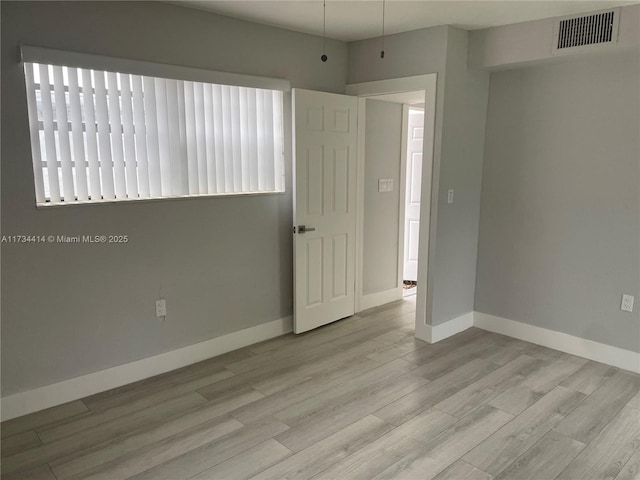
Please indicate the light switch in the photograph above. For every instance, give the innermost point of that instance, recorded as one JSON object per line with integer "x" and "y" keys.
{"x": 385, "y": 185}
{"x": 627, "y": 303}
{"x": 450, "y": 196}
{"x": 161, "y": 308}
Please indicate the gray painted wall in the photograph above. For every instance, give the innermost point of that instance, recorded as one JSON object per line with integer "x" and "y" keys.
{"x": 383, "y": 145}
{"x": 418, "y": 52}
{"x": 453, "y": 263}
{"x": 559, "y": 233}
{"x": 457, "y": 156}
{"x": 406, "y": 54}
{"x": 223, "y": 264}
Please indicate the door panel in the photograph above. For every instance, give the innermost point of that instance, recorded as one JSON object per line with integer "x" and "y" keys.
{"x": 412, "y": 197}
{"x": 325, "y": 139}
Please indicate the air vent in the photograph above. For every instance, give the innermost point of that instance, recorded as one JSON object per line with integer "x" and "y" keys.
{"x": 582, "y": 31}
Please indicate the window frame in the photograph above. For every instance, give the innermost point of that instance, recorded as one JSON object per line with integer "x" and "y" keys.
{"x": 39, "y": 55}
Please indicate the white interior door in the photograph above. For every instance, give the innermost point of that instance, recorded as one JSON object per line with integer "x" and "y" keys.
{"x": 324, "y": 197}
{"x": 412, "y": 197}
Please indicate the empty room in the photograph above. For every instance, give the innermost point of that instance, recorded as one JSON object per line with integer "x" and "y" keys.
{"x": 308, "y": 239}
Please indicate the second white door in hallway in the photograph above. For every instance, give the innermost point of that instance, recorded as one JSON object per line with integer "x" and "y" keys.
{"x": 415, "y": 134}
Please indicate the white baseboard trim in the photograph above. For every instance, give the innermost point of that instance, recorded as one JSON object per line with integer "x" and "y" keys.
{"x": 79, "y": 387}
{"x": 380, "y": 298}
{"x": 75, "y": 388}
{"x": 433, "y": 334}
{"x": 581, "y": 347}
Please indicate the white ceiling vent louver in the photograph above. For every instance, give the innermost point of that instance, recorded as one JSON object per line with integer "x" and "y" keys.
{"x": 586, "y": 31}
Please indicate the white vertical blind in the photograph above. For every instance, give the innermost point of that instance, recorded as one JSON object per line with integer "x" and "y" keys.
{"x": 95, "y": 189}
{"x": 104, "y": 137}
{"x": 34, "y": 130}
{"x": 278, "y": 146}
{"x": 153, "y": 145}
{"x": 182, "y": 124}
{"x": 49, "y": 135}
{"x": 100, "y": 135}
{"x": 218, "y": 127}
{"x": 269, "y": 144}
{"x": 244, "y": 139}
{"x": 190, "y": 128}
{"x": 278, "y": 143}
{"x": 139, "y": 122}
{"x": 115, "y": 126}
{"x": 163, "y": 137}
{"x": 62, "y": 123}
{"x": 201, "y": 137}
{"x": 211, "y": 136}
{"x": 79, "y": 163}
{"x": 174, "y": 137}
{"x": 252, "y": 134}
{"x": 261, "y": 147}
{"x": 227, "y": 136}
{"x": 236, "y": 159}
{"x": 129, "y": 136}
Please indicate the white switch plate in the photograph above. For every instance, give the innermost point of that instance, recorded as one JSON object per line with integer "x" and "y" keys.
{"x": 385, "y": 185}
{"x": 450, "y": 196}
{"x": 161, "y": 308}
{"x": 627, "y": 303}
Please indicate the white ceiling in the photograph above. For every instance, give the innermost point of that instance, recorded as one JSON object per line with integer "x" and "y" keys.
{"x": 351, "y": 20}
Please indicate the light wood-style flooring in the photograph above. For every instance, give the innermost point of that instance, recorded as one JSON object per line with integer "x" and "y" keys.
{"x": 358, "y": 399}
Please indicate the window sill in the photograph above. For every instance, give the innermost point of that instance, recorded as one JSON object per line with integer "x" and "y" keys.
{"x": 48, "y": 205}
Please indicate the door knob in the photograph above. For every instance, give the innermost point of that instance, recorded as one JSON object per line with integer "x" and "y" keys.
{"x": 305, "y": 229}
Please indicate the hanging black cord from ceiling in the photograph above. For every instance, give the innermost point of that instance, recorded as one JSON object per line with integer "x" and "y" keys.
{"x": 383, "y": 9}
{"x": 324, "y": 31}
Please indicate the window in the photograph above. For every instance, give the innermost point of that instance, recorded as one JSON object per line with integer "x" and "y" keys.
{"x": 99, "y": 135}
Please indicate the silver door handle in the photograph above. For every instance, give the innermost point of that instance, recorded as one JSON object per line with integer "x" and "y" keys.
{"x": 305, "y": 229}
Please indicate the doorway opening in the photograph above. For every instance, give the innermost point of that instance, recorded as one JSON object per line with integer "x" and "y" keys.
{"x": 393, "y": 147}
{"x": 334, "y": 247}
{"x": 391, "y": 90}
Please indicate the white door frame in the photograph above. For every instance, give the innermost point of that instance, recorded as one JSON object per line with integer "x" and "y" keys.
{"x": 428, "y": 83}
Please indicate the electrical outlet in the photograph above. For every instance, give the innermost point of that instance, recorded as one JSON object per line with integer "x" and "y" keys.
{"x": 161, "y": 308}
{"x": 627, "y": 303}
